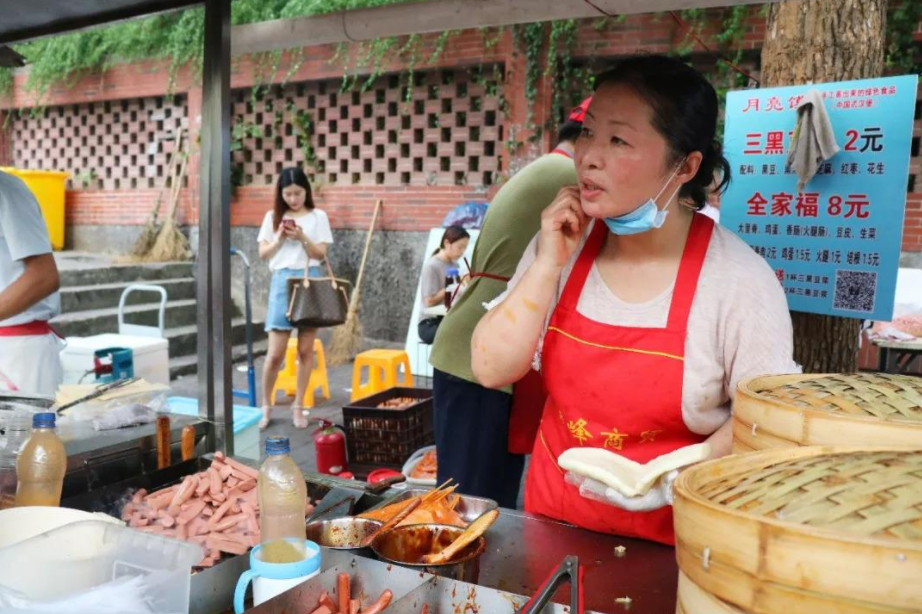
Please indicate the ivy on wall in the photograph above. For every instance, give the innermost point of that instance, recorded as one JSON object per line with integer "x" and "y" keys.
{"x": 548, "y": 49}
{"x": 176, "y": 36}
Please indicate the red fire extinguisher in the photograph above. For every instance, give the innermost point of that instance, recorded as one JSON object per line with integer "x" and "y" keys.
{"x": 330, "y": 446}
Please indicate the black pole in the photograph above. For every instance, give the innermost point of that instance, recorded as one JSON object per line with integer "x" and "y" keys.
{"x": 213, "y": 290}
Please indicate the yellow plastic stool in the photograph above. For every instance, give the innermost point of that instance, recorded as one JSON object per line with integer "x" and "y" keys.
{"x": 383, "y": 367}
{"x": 287, "y": 380}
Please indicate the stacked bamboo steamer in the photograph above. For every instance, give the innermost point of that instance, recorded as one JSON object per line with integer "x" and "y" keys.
{"x": 784, "y": 411}
{"x": 801, "y": 530}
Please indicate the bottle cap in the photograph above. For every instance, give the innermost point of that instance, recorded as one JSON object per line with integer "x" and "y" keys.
{"x": 44, "y": 420}
{"x": 453, "y": 272}
{"x": 276, "y": 446}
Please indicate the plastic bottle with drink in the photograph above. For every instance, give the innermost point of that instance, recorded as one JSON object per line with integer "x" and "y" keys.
{"x": 282, "y": 504}
{"x": 16, "y": 433}
{"x": 41, "y": 465}
{"x": 452, "y": 281}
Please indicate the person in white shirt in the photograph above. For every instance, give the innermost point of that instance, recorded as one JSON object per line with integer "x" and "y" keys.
{"x": 294, "y": 236}
{"x": 29, "y": 349}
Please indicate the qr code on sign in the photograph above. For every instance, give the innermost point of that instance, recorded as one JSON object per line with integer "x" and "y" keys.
{"x": 855, "y": 291}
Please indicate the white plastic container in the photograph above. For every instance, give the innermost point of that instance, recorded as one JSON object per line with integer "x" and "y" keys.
{"x": 410, "y": 465}
{"x": 20, "y": 523}
{"x": 90, "y": 562}
{"x": 151, "y": 356}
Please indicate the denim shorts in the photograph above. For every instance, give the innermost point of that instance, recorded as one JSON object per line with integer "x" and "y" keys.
{"x": 278, "y": 297}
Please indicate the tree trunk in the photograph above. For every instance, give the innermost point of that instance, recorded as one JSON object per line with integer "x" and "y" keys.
{"x": 819, "y": 41}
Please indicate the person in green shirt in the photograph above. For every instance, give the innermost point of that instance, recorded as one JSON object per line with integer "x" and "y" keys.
{"x": 472, "y": 423}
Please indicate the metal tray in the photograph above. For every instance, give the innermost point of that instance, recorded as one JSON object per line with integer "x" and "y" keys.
{"x": 212, "y": 587}
{"x": 411, "y": 590}
{"x": 469, "y": 508}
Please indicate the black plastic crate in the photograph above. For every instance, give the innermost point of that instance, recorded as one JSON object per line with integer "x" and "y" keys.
{"x": 386, "y": 438}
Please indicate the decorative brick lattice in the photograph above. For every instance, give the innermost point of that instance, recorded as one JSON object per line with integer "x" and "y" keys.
{"x": 449, "y": 133}
{"x": 112, "y": 145}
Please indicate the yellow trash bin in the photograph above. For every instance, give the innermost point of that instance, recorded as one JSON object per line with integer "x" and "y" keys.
{"x": 48, "y": 188}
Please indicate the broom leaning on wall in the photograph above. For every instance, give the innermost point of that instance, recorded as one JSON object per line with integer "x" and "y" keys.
{"x": 347, "y": 338}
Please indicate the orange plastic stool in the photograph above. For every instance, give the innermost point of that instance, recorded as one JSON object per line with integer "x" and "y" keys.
{"x": 287, "y": 380}
{"x": 383, "y": 367}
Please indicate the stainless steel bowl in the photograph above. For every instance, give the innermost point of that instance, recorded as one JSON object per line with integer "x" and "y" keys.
{"x": 344, "y": 533}
{"x": 406, "y": 546}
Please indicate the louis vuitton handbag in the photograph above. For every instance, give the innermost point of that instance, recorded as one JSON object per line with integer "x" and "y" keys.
{"x": 318, "y": 302}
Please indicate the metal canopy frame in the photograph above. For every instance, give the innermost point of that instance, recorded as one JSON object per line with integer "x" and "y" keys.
{"x": 28, "y": 19}
{"x": 429, "y": 16}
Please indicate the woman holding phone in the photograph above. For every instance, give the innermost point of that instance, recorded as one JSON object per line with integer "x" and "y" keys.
{"x": 294, "y": 236}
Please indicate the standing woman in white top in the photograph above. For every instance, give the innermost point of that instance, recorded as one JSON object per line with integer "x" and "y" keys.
{"x": 645, "y": 313}
{"x": 294, "y": 235}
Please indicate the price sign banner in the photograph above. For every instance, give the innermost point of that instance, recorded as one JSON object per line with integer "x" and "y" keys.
{"x": 835, "y": 245}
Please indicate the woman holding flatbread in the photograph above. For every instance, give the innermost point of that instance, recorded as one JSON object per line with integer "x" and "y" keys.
{"x": 641, "y": 313}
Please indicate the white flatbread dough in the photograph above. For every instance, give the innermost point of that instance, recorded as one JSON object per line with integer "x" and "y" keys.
{"x": 629, "y": 478}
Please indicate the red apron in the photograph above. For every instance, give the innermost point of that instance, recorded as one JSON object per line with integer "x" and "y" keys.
{"x": 613, "y": 387}
{"x": 528, "y": 399}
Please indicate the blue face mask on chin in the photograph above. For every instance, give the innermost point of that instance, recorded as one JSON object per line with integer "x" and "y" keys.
{"x": 645, "y": 217}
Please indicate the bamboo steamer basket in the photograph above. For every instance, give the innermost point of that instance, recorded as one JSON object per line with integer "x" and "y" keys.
{"x": 805, "y": 530}
{"x": 858, "y": 409}
{"x": 692, "y": 599}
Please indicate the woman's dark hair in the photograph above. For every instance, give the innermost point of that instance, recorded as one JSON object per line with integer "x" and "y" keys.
{"x": 290, "y": 176}
{"x": 452, "y": 235}
{"x": 569, "y": 130}
{"x": 684, "y": 108}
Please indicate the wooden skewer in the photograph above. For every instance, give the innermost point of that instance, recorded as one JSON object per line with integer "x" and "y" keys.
{"x": 470, "y": 535}
{"x": 391, "y": 524}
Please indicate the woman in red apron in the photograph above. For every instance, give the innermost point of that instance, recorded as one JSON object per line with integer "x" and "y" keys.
{"x": 645, "y": 162}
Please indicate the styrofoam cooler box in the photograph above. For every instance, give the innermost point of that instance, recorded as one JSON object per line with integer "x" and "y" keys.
{"x": 246, "y": 424}
{"x": 151, "y": 356}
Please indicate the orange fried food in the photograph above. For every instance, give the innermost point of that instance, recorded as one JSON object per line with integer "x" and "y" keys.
{"x": 436, "y": 507}
{"x": 427, "y": 467}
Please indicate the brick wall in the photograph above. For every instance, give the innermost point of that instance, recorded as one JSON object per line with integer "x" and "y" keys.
{"x": 111, "y": 145}
{"x": 437, "y": 152}
{"x": 446, "y": 129}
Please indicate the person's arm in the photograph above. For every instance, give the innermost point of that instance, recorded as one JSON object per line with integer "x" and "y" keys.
{"x": 758, "y": 338}
{"x": 432, "y": 284}
{"x": 38, "y": 280}
{"x": 267, "y": 249}
{"x": 504, "y": 341}
{"x": 435, "y": 299}
{"x": 27, "y": 240}
{"x": 269, "y": 240}
{"x": 317, "y": 249}
{"x": 721, "y": 440}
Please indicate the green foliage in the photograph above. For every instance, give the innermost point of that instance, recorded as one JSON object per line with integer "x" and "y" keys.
{"x": 902, "y": 22}
{"x": 732, "y": 25}
{"x": 176, "y": 36}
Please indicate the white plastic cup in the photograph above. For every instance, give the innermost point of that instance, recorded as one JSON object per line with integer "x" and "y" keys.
{"x": 271, "y": 579}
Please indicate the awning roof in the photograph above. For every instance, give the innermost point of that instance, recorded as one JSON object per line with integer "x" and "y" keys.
{"x": 27, "y": 19}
